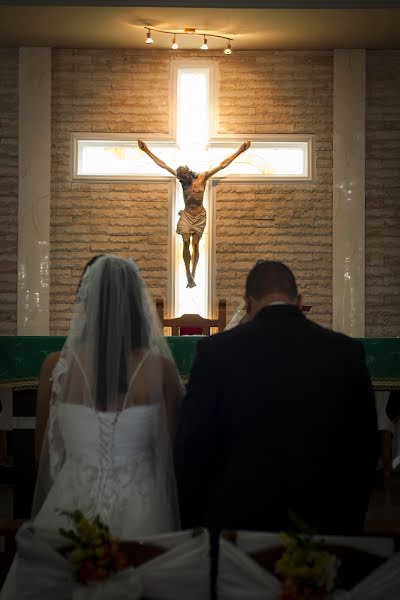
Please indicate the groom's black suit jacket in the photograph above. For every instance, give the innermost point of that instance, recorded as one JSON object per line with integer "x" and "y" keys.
{"x": 279, "y": 415}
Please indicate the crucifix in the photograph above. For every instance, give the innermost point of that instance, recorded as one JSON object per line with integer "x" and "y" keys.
{"x": 191, "y": 280}
{"x": 193, "y": 218}
{"x": 191, "y": 138}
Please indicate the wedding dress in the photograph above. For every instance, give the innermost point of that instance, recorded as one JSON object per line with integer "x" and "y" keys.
{"x": 114, "y": 396}
{"x": 111, "y": 475}
{"x": 109, "y": 470}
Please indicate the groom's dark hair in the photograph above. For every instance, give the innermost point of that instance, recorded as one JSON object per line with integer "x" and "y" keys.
{"x": 271, "y": 277}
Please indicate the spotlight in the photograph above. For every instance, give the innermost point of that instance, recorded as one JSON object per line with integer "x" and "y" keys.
{"x": 204, "y": 44}
{"x": 228, "y": 49}
{"x": 188, "y": 31}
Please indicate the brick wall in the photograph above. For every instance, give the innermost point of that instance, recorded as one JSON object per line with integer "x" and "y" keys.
{"x": 8, "y": 190}
{"x": 278, "y": 92}
{"x": 383, "y": 194}
{"x": 127, "y": 91}
{"x": 105, "y": 91}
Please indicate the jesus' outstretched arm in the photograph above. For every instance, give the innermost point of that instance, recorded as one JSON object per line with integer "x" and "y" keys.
{"x": 227, "y": 161}
{"x": 155, "y": 158}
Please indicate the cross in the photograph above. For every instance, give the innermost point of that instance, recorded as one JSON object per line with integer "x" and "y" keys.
{"x": 191, "y": 145}
{"x": 192, "y": 131}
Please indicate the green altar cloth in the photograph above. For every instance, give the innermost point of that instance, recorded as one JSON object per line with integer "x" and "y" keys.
{"x": 21, "y": 358}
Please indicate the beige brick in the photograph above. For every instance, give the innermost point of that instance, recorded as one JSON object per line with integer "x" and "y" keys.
{"x": 382, "y": 207}
{"x": 273, "y": 237}
{"x": 8, "y": 189}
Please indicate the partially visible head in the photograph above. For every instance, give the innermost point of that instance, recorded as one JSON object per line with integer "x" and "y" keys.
{"x": 185, "y": 175}
{"x": 85, "y": 268}
{"x": 112, "y": 289}
{"x": 270, "y": 281}
{"x": 122, "y": 298}
{"x": 117, "y": 318}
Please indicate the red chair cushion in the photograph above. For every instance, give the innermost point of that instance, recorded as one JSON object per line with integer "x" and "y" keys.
{"x": 190, "y": 331}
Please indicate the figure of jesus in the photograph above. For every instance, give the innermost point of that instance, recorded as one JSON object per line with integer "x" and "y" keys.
{"x": 193, "y": 217}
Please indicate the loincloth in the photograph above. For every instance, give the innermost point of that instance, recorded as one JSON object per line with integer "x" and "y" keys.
{"x": 189, "y": 224}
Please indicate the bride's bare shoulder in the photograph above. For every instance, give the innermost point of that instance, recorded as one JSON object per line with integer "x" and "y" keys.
{"x": 49, "y": 363}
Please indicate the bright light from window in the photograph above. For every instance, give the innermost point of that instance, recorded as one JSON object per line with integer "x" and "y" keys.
{"x": 192, "y": 125}
{"x": 114, "y": 158}
{"x": 192, "y": 110}
{"x": 267, "y": 159}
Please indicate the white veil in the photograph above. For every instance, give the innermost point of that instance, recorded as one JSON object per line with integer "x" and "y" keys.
{"x": 115, "y": 357}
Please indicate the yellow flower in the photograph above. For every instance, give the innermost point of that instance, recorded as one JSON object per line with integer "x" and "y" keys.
{"x": 95, "y": 552}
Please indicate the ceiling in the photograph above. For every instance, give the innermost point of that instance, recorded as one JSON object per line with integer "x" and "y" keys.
{"x": 250, "y": 28}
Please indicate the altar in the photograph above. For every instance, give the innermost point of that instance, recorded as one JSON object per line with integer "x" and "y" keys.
{"x": 20, "y": 362}
{"x": 21, "y": 358}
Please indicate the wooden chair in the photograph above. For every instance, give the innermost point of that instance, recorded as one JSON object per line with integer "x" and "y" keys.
{"x": 193, "y": 324}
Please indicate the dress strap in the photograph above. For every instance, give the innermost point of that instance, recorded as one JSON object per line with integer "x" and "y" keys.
{"x": 133, "y": 378}
{"x": 82, "y": 370}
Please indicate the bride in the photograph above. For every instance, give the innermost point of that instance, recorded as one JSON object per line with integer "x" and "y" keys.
{"x": 107, "y": 409}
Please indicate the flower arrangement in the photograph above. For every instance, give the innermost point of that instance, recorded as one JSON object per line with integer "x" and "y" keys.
{"x": 94, "y": 554}
{"x": 308, "y": 572}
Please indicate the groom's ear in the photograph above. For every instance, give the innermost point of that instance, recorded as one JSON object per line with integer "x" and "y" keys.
{"x": 249, "y": 303}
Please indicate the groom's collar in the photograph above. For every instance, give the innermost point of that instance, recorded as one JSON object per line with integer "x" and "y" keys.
{"x": 279, "y": 308}
{"x": 277, "y": 304}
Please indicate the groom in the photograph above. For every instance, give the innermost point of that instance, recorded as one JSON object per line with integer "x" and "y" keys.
{"x": 279, "y": 416}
